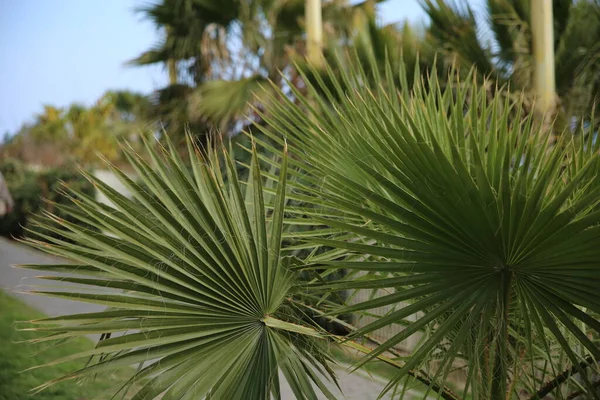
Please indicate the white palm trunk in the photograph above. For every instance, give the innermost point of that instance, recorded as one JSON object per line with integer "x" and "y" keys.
{"x": 314, "y": 32}
{"x": 542, "y": 30}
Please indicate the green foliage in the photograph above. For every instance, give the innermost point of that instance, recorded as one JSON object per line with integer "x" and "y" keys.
{"x": 52, "y": 184}
{"x": 226, "y": 101}
{"x": 222, "y": 53}
{"x": 18, "y": 355}
{"x": 482, "y": 231}
{"x": 465, "y": 213}
{"x": 76, "y": 134}
{"x": 36, "y": 192}
{"x": 26, "y": 194}
{"x": 203, "y": 290}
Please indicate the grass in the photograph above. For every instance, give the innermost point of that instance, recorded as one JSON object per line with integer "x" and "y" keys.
{"x": 15, "y": 357}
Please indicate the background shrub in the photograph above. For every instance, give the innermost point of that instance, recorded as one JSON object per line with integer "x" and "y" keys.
{"x": 26, "y": 193}
{"x": 29, "y": 188}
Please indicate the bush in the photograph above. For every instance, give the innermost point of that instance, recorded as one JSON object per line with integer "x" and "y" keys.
{"x": 26, "y": 193}
{"x": 50, "y": 183}
{"x": 29, "y": 188}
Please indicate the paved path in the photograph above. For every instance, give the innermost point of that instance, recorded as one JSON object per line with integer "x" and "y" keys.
{"x": 15, "y": 280}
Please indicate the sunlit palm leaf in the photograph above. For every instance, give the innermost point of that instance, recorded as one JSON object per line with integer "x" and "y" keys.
{"x": 194, "y": 279}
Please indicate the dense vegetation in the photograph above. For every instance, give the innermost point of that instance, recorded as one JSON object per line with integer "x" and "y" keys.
{"x": 474, "y": 223}
{"x": 16, "y": 382}
{"x": 35, "y": 192}
{"x": 76, "y": 134}
{"x": 498, "y": 43}
{"x": 459, "y": 206}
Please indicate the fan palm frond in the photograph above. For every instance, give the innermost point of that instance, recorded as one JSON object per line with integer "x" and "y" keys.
{"x": 194, "y": 279}
{"x": 465, "y": 213}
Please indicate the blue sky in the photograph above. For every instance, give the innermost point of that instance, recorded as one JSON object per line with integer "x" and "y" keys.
{"x": 63, "y": 51}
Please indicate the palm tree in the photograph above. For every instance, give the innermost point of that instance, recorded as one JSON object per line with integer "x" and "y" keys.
{"x": 192, "y": 36}
{"x": 500, "y": 46}
{"x": 347, "y": 29}
{"x": 241, "y": 305}
{"x": 194, "y": 43}
{"x": 204, "y": 43}
{"x": 454, "y": 203}
{"x": 225, "y": 58}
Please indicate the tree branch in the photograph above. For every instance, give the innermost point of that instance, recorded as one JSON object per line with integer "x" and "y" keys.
{"x": 560, "y": 379}
{"x": 578, "y": 393}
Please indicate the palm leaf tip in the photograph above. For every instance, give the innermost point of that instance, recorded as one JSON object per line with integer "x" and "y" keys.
{"x": 192, "y": 276}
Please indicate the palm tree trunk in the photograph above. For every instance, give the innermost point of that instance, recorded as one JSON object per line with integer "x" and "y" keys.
{"x": 314, "y": 32}
{"x": 542, "y": 30}
{"x": 172, "y": 67}
{"x": 171, "y": 63}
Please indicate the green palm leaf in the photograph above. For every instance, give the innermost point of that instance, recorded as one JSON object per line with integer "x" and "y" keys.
{"x": 197, "y": 288}
{"x": 466, "y": 213}
{"x": 223, "y": 101}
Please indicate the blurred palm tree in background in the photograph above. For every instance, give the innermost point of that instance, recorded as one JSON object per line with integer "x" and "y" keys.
{"x": 221, "y": 54}
{"x": 499, "y": 46}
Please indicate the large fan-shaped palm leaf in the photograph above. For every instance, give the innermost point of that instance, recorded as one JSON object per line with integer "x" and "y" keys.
{"x": 191, "y": 271}
{"x": 466, "y": 214}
